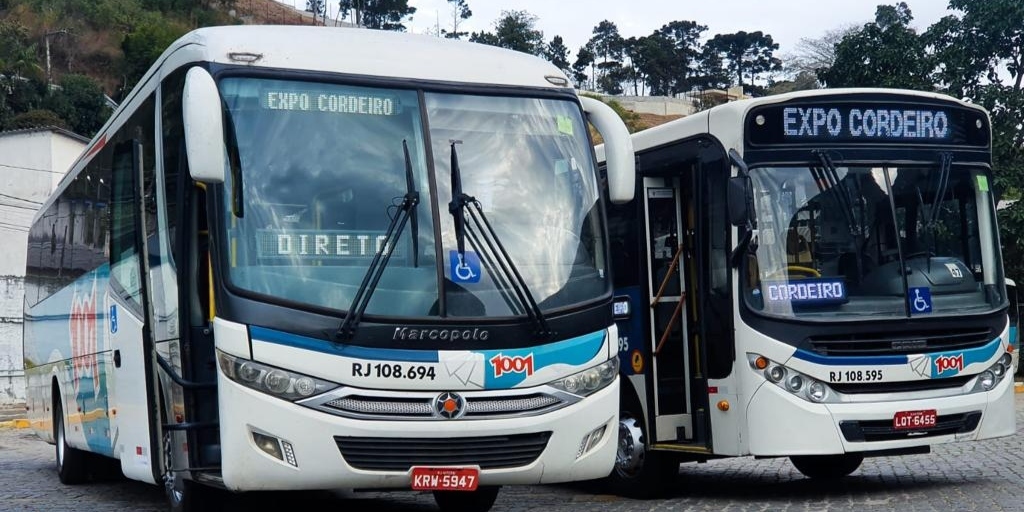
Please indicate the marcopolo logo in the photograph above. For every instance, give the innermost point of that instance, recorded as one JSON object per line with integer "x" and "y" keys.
{"x": 943, "y": 363}
{"x": 512, "y": 364}
{"x": 405, "y": 333}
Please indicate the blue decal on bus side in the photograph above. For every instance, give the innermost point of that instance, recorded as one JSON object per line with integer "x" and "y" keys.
{"x": 508, "y": 368}
{"x": 68, "y": 329}
{"x": 318, "y": 345}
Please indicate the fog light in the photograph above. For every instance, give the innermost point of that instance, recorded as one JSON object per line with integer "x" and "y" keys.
{"x": 289, "y": 453}
{"x": 591, "y": 440}
{"x": 268, "y": 444}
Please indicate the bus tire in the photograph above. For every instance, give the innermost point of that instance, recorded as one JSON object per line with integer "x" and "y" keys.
{"x": 480, "y": 500}
{"x": 72, "y": 466}
{"x": 827, "y": 466}
{"x": 639, "y": 472}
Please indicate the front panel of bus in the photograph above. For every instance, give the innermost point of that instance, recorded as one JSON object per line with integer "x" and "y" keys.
{"x": 409, "y": 278}
{"x": 871, "y": 294}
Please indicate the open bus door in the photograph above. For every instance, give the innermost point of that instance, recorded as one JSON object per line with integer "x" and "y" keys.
{"x": 134, "y": 416}
{"x": 670, "y": 250}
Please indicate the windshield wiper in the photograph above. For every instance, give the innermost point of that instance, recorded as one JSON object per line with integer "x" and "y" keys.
{"x": 406, "y": 210}
{"x": 495, "y": 258}
{"x": 830, "y": 176}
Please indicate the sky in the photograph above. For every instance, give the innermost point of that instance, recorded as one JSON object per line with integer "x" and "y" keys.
{"x": 787, "y": 21}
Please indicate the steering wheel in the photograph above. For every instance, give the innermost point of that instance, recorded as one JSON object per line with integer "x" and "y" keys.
{"x": 797, "y": 270}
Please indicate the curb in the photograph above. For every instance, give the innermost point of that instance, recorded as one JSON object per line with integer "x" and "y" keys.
{"x": 1018, "y": 387}
{"x": 18, "y": 423}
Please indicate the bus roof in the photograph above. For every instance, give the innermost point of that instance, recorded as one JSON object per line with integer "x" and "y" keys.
{"x": 733, "y": 113}
{"x": 346, "y": 50}
{"x": 376, "y": 53}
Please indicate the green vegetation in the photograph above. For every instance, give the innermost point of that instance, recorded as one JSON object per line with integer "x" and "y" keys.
{"x": 58, "y": 58}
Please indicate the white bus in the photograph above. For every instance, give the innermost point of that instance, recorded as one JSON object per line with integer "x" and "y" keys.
{"x": 318, "y": 258}
{"x": 815, "y": 275}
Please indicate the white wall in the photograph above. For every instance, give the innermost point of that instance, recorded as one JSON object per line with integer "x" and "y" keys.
{"x": 32, "y": 163}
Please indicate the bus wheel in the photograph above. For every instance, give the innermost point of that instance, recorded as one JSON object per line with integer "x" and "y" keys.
{"x": 638, "y": 472}
{"x": 827, "y": 466}
{"x": 71, "y": 462}
{"x": 480, "y": 500}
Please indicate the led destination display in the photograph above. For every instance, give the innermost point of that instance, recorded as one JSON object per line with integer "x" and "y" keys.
{"x": 842, "y": 122}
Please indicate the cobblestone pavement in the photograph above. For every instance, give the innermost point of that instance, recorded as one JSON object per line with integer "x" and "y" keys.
{"x": 984, "y": 476}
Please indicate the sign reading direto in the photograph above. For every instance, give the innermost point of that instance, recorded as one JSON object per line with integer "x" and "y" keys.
{"x": 317, "y": 244}
{"x": 330, "y": 102}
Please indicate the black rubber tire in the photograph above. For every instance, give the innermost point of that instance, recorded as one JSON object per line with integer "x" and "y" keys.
{"x": 72, "y": 463}
{"x": 480, "y": 500}
{"x": 655, "y": 472}
{"x": 828, "y": 467}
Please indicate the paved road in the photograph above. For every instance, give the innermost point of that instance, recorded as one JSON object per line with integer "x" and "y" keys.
{"x": 983, "y": 476}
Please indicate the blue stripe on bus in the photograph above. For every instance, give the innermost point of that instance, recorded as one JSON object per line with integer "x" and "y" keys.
{"x": 327, "y": 347}
{"x": 811, "y": 357}
{"x": 971, "y": 355}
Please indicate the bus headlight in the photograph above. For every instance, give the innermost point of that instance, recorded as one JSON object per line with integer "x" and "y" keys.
{"x": 590, "y": 380}
{"x": 270, "y": 380}
{"x": 803, "y": 386}
{"x": 994, "y": 374}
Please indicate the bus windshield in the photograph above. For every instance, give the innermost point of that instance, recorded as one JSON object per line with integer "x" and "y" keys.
{"x": 836, "y": 242}
{"x": 319, "y": 170}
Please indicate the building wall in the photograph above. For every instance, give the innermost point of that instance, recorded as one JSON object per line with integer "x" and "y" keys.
{"x": 32, "y": 162}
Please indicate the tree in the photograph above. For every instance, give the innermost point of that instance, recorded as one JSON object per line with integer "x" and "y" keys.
{"x": 378, "y": 14}
{"x": 79, "y": 101}
{"x": 746, "y": 54}
{"x": 558, "y": 54}
{"x": 515, "y": 30}
{"x": 144, "y": 45}
{"x": 316, "y": 7}
{"x": 883, "y": 53}
{"x": 460, "y": 12}
{"x": 812, "y": 54}
{"x": 607, "y": 45}
{"x": 668, "y": 57}
{"x": 37, "y": 119}
{"x": 584, "y": 59}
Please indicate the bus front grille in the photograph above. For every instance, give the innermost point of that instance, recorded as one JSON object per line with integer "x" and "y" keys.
{"x": 421, "y": 406}
{"x": 884, "y": 430}
{"x": 401, "y": 454}
{"x": 855, "y": 344}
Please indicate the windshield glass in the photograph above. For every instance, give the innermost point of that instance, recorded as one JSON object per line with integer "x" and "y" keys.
{"x": 873, "y": 241}
{"x": 528, "y": 163}
{"x": 318, "y": 172}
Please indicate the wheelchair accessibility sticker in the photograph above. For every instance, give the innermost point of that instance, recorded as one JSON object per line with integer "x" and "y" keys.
{"x": 920, "y": 300}
{"x": 465, "y": 269}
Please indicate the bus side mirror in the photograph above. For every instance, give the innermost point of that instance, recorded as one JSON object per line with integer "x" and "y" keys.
{"x": 739, "y": 200}
{"x": 618, "y": 149}
{"x": 204, "y": 127}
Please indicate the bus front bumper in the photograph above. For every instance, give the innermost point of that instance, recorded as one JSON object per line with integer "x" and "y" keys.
{"x": 311, "y": 442}
{"x": 780, "y": 424}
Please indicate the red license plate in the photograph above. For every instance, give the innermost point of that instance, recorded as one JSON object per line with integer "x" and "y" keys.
{"x": 445, "y": 479}
{"x": 909, "y": 420}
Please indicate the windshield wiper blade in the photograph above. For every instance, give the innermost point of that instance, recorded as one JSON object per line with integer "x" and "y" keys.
{"x": 406, "y": 210}
{"x": 484, "y": 240}
{"x": 412, "y": 195}
{"x": 945, "y": 163}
